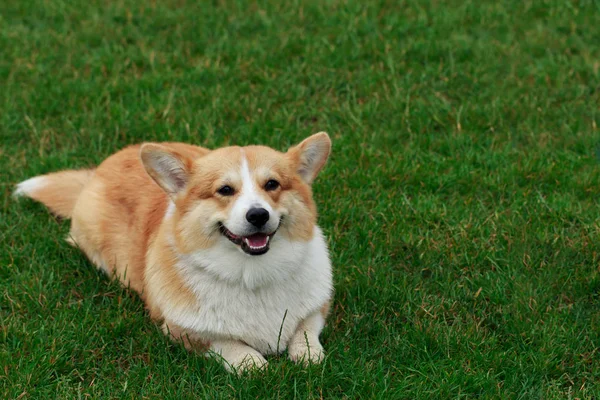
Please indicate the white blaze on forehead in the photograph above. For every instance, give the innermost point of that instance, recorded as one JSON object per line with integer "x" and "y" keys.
{"x": 250, "y": 196}
{"x": 247, "y": 182}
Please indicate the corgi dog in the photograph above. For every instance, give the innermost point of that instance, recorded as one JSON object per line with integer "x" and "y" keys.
{"x": 221, "y": 245}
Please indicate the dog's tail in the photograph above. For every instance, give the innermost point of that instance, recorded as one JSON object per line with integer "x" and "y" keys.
{"x": 59, "y": 191}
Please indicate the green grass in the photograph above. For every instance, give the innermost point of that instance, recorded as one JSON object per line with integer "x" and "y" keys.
{"x": 461, "y": 200}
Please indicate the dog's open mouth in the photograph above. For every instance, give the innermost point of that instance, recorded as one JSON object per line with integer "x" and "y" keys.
{"x": 255, "y": 244}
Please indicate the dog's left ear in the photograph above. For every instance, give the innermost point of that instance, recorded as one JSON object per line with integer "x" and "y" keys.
{"x": 311, "y": 155}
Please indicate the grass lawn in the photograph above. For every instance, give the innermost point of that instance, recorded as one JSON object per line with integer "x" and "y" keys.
{"x": 461, "y": 201}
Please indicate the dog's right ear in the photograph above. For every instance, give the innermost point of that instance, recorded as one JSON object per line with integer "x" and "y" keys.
{"x": 169, "y": 169}
{"x": 311, "y": 155}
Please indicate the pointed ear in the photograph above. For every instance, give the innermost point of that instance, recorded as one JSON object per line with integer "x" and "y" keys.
{"x": 169, "y": 169}
{"x": 310, "y": 155}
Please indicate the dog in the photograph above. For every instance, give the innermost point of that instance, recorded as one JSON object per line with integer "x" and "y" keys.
{"x": 221, "y": 245}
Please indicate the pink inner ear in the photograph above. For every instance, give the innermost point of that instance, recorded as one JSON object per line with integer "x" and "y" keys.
{"x": 179, "y": 181}
{"x": 312, "y": 159}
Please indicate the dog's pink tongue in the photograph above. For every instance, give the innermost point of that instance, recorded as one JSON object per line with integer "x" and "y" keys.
{"x": 258, "y": 240}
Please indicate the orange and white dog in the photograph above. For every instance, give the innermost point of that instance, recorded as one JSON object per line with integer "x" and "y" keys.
{"x": 222, "y": 245}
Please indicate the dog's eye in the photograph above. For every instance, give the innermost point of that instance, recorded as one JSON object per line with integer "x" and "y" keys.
{"x": 272, "y": 184}
{"x": 226, "y": 190}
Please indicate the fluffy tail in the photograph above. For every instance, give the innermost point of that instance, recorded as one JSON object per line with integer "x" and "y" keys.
{"x": 59, "y": 191}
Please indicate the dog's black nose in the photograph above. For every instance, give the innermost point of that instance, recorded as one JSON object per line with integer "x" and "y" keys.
{"x": 257, "y": 216}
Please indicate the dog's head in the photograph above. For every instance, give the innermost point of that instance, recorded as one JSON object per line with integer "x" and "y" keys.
{"x": 243, "y": 197}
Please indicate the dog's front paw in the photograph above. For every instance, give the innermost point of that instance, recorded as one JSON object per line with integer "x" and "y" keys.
{"x": 311, "y": 353}
{"x": 237, "y": 356}
{"x": 247, "y": 361}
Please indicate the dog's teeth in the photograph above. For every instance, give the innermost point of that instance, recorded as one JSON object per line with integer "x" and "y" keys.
{"x": 247, "y": 241}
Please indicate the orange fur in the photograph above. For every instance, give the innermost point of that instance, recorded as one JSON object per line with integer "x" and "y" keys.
{"x": 162, "y": 277}
{"x": 116, "y": 219}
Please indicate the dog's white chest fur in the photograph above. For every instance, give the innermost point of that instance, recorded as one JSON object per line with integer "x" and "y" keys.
{"x": 258, "y": 300}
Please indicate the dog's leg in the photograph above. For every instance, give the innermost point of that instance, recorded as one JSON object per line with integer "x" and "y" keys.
{"x": 304, "y": 346}
{"x": 237, "y": 356}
